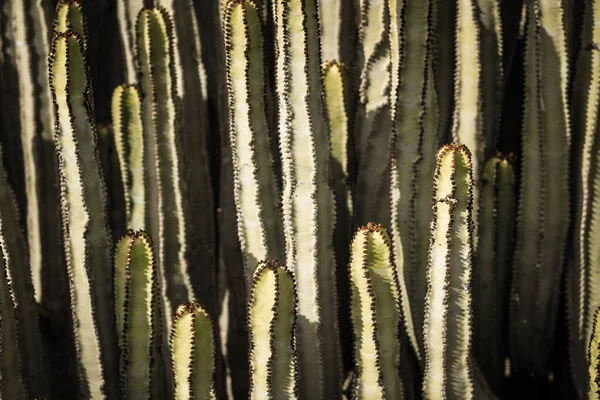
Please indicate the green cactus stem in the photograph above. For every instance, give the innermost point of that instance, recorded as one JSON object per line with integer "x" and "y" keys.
{"x": 308, "y": 204}
{"x": 272, "y": 327}
{"x": 127, "y": 11}
{"x": 129, "y": 142}
{"x": 193, "y": 353}
{"x": 137, "y": 317}
{"x": 86, "y": 236}
{"x": 543, "y": 210}
{"x": 338, "y": 29}
{"x": 376, "y": 315}
{"x": 164, "y": 201}
{"x": 415, "y": 142}
{"x": 69, "y": 17}
{"x": 593, "y": 358}
{"x": 492, "y": 276}
{"x": 447, "y": 326}
{"x": 256, "y": 194}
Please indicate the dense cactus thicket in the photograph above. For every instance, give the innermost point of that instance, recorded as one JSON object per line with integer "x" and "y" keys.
{"x": 300, "y": 199}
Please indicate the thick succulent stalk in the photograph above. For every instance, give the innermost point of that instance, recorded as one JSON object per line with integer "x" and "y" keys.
{"x": 193, "y": 353}
{"x": 86, "y": 236}
{"x": 69, "y": 16}
{"x": 582, "y": 276}
{"x": 416, "y": 124}
{"x": 256, "y": 194}
{"x": 491, "y": 278}
{"x": 137, "y": 316}
{"x": 373, "y": 128}
{"x": 308, "y": 203}
{"x": 129, "y": 142}
{"x": 338, "y": 29}
{"x": 593, "y": 359}
{"x": 272, "y": 326}
{"x": 23, "y": 373}
{"x": 376, "y": 315}
{"x": 447, "y": 326}
{"x": 164, "y": 201}
{"x": 543, "y": 211}
{"x": 127, "y": 11}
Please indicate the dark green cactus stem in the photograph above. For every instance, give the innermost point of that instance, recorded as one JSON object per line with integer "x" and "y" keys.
{"x": 376, "y": 315}
{"x": 86, "y": 236}
{"x": 593, "y": 359}
{"x": 256, "y": 194}
{"x": 416, "y": 124}
{"x": 492, "y": 276}
{"x": 308, "y": 204}
{"x": 447, "y": 327}
{"x": 543, "y": 211}
{"x": 137, "y": 317}
{"x": 69, "y": 17}
{"x": 193, "y": 353}
{"x": 164, "y": 213}
{"x": 129, "y": 142}
{"x": 272, "y": 327}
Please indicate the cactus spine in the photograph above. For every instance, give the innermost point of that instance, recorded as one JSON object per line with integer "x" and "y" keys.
{"x": 447, "y": 328}
{"x": 193, "y": 353}
{"x": 87, "y": 244}
{"x": 308, "y": 215}
{"x": 138, "y": 323}
{"x": 129, "y": 142}
{"x": 272, "y": 326}
{"x": 543, "y": 211}
{"x": 256, "y": 194}
{"x": 163, "y": 182}
{"x": 492, "y": 275}
{"x": 376, "y": 315}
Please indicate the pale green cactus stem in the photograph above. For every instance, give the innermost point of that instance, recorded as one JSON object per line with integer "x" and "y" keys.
{"x": 86, "y": 236}
{"x": 127, "y": 11}
{"x": 543, "y": 211}
{"x": 69, "y": 17}
{"x": 308, "y": 204}
{"x": 20, "y": 349}
{"x": 272, "y": 326}
{"x": 164, "y": 201}
{"x": 256, "y": 194}
{"x": 447, "y": 327}
{"x": 376, "y": 315}
{"x": 593, "y": 359}
{"x": 494, "y": 261}
{"x": 416, "y": 124}
{"x": 136, "y": 300}
{"x": 373, "y": 127}
{"x": 338, "y": 29}
{"x": 193, "y": 353}
{"x": 129, "y": 142}
{"x": 582, "y": 275}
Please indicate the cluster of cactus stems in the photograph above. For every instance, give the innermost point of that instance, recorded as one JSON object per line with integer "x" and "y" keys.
{"x": 471, "y": 274}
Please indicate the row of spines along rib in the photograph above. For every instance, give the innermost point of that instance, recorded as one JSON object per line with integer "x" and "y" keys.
{"x": 255, "y": 190}
{"x": 376, "y": 315}
{"x": 582, "y": 274}
{"x": 308, "y": 204}
{"x": 543, "y": 208}
{"x": 271, "y": 313}
{"x": 592, "y": 372}
{"x": 86, "y": 233}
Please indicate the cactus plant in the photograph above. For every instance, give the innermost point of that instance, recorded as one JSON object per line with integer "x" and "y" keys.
{"x": 593, "y": 358}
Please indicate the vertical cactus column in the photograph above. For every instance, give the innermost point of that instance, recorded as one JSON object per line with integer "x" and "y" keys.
{"x": 491, "y": 277}
{"x": 87, "y": 240}
{"x": 593, "y": 359}
{"x": 416, "y": 124}
{"x": 256, "y": 194}
{"x": 193, "y": 353}
{"x": 308, "y": 204}
{"x": 129, "y": 142}
{"x": 447, "y": 326}
{"x": 376, "y": 315}
{"x": 69, "y": 17}
{"x": 339, "y": 29}
{"x": 164, "y": 201}
{"x": 137, "y": 316}
{"x": 272, "y": 326}
{"x": 127, "y": 11}
{"x": 543, "y": 211}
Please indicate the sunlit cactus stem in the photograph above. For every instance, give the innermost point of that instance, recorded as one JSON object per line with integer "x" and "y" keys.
{"x": 593, "y": 358}
{"x": 69, "y": 16}
{"x": 86, "y": 236}
{"x": 272, "y": 327}
{"x": 193, "y": 353}
{"x": 256, "y": 194}
{"x": 376, "y": 315}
